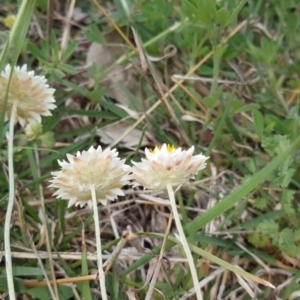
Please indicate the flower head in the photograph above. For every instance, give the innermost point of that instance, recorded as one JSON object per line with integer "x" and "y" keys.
{"x": 102, "y": 170}
{"x": 9, "y": 21}
{"x": 31, "y": 95}
{"x": 167, "y": 165}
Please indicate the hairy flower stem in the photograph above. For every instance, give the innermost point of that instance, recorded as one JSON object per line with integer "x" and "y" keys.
{"x": 184, "y": 242}
{"x": 11, "y": 199}
{"x": 98, "y": 244}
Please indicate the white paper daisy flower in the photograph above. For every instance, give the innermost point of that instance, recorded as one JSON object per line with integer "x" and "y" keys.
{"x": 167, "y": 165}
{"x": 31, "y": 95}
{"x": 92, "y": 169}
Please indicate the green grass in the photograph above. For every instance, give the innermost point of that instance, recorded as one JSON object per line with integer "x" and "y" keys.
{"x": 230, "y": 89}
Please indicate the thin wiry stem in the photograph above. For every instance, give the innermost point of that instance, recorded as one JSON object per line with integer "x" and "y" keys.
{"x": 98, "y": 244}
{"x": 160, "y": 260}
{"x": 184, "y": 242}
{"x": 45, "y": 224}
{"x": 11, "y": 199}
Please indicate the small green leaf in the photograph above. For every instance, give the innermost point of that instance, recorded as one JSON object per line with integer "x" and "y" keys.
{"x": 286, "y": 238}
{"x": 285, "y": 178}
{"x": 278, "y": 123}
{"x": 233, "y": 130}
{"x": 70, "y": 49}
{"x": 36, "y": 52}
{"x": 247, "y": 107}
{"x": 236, "y": 11}
{"x": 71, "y": 85}
{"x": 251, "y": 166}
{"x": 287, "y": 199}
{"x": 258, "y": 123}
{"x": 45, "y": 49}
{"x": 56, "y": 73}
{"x": 292, "y": 250}
{"x": 260, "y": 203}
{"x": 94, "y": 35}
{"x": 258, "y": 240}
{"x": 54, "y": 44}
{"x": 210, "y": 102}
{"x": 269, "y": 144}
{"x": 68, "y": 69}
{"x": 96, "y": 95}
{"x": 269, "y": 48}
{"x": 113, "y": 108}
{"x": 195, "y": 12}
{"x": 222, "y": 16}
{"x": 270, "y": 228}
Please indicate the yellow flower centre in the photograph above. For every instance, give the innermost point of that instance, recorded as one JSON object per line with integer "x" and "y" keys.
{"x": 170, "y": 149}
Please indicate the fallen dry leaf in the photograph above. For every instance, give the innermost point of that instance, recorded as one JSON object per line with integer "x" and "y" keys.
{"x": 106, "y": 55}
{"x": 110, "y": 133}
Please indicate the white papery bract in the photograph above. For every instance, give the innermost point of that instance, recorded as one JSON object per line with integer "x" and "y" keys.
{"x": 167, "y": 165}
{"x": 95, "y": 168}
{"x": 31, "y": 95}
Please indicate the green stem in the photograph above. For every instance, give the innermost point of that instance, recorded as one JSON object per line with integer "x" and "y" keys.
{"x": 98, "y": 244}
{"x": 216, "y": 71}
{"x": 11, "y": 199}
{"x": 184, "y": 242}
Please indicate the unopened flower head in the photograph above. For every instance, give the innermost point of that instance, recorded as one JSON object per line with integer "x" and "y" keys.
{"x": 95, "y": 168}
{"x": 167, "y": 165}
{"x": 33, "y": 131}
{"x": 9, "y": 21}
{"x": 31, "y": 95}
